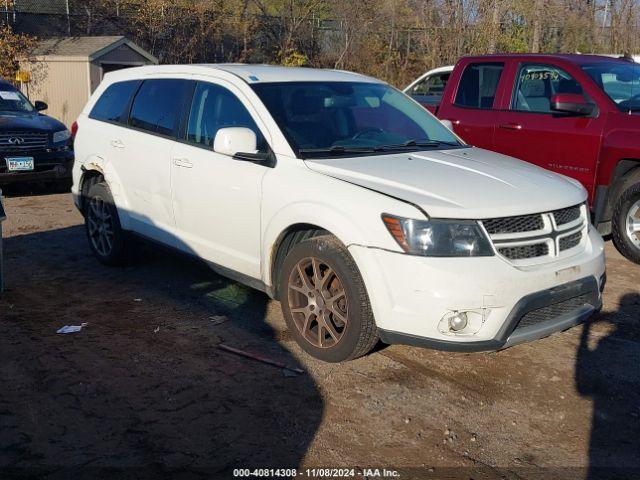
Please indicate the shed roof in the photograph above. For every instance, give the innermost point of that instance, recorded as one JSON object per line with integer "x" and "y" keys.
{"x": 86, "y": 47}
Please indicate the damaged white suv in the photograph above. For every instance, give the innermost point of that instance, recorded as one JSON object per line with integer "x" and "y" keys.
{"x": 342, "y": 198}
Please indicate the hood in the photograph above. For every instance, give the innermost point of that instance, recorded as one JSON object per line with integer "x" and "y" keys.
{"x": 468, "y": 183}
{"x": 10, "y": 121}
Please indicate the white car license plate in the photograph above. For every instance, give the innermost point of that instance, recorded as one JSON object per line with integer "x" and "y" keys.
{"x": 20, "y": 164}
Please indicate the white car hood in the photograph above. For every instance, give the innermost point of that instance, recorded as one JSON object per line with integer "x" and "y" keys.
{"x": 468, "y": 183}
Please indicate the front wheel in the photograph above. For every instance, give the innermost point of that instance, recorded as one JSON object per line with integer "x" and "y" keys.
{"x": 325, "y": 302}
{"x": 626, "y": 223}
{"x": 106, "y": 238}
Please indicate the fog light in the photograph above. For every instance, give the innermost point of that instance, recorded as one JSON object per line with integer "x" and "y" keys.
{"x": 458, "y": 322}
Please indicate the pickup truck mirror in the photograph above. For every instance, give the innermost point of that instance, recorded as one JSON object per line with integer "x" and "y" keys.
{"x": 571, "y": 103}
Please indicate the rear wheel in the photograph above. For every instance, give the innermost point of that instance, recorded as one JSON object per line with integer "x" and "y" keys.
{"x": 626, "y": 223}
{"x": 106, "y": 238}
{"x": 325, "y": 302}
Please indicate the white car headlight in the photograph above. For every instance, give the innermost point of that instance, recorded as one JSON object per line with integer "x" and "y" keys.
{"x": 439, "y": 238}
{"x": 61, "y": 136}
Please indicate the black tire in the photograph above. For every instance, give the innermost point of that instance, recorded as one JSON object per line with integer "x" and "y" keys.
{"x": 358, "y": 334}
{"x": 621, "y": 210}
{"x": 100, "y": 211}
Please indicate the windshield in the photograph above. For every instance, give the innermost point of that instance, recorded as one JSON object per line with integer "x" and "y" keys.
{"x": 620, "y": 81}
{"x": 14, "y": 101}
{"x": 321, "y": 119}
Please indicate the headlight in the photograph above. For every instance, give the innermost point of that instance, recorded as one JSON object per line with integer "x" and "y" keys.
{"x": 61, "y": 136}
{"x": 439, "y": 238}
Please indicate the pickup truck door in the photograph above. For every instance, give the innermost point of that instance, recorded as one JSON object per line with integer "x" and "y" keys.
{"x": 471, "y": 106}
{"x": 527, "y": 129}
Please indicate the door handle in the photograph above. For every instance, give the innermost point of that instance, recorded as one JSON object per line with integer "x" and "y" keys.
{"x": 182, "y": 162}
{"x": 117, "y": 144}
{"x": 511, "y": 126}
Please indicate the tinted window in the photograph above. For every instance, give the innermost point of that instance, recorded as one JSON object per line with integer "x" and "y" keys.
{"x": 538, "y": 83}
{"x": 215, "y": 107}
{"x": 158, "y": 105}
{"x": 111, "y": 106}
{"x": 478, "y": 85}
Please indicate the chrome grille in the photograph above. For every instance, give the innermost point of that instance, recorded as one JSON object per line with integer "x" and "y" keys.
{"x": 570, "y": 241}
{"x": 551, "y": 312}
{"x": 525, "y": 251}
{"x": 520, "y": 224}
{"x": 23, "y": 141}
{"x": 567, "y": 215}
{"x": 536, "y": 238}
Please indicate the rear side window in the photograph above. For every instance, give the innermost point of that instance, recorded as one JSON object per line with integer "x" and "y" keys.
{"x": 478, "y": 85}
{"x": 158, "y": 105}
{"x": 213, "y": 108}
{"x": 111, "y": 106}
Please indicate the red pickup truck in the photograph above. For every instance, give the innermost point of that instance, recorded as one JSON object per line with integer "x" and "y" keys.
{"x": 578, "y": 115}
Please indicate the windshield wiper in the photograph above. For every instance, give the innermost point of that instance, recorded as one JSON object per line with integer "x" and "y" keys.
{"x": 339, "y": 150}
{"x": 429, "y": 143}
{"x": 418, "y": 143}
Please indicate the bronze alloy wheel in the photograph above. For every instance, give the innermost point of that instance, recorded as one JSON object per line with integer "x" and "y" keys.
{"x": 318, "y": 303}
{"x": 100, "y": 226}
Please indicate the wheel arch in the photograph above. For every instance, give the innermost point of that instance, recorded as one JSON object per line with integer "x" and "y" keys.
{"x": 298, "y": 222}
{"x": 625, "y": 169}
{"x": 289, "y": 238}
{"x": 91, "y": 174}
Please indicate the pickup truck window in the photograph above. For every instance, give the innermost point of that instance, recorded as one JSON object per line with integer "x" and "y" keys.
{"x": 537, "y": 84}
{"x": 620, "y": 81}
{"x": 478, "y": 85}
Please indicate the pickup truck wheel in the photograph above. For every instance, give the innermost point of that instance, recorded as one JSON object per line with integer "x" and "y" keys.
{"x": 325, "y": 302}
{"x": 626, "y": 223}
{"x": 106, "y": 237}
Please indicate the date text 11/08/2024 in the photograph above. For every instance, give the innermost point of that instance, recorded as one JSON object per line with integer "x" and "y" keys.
{"x": 316, "y": 473}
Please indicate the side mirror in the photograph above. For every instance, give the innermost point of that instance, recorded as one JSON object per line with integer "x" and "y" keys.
{"x": 448, "y": 124}
{"x": 233, "y": 140}
{"x": 571, "y": 103}
{"x": 40, "y": 106}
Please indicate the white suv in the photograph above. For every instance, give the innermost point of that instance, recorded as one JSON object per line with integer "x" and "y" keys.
{"x": 342, "y": 198}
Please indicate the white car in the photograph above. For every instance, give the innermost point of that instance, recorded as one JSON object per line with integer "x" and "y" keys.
{"x": 427, "y": 90}
{"x": 342, "y": 198}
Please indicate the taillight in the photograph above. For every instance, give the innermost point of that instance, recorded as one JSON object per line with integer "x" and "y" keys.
{"x": 74, "y": 130}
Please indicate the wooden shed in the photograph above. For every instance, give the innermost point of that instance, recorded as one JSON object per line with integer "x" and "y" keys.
{"x": 69, "y": 70}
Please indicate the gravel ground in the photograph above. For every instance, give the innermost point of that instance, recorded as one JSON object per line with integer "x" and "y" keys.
{"x": 144, "y": 391}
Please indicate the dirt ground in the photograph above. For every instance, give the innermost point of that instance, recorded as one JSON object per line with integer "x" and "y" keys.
{"x": 144, "y": 391}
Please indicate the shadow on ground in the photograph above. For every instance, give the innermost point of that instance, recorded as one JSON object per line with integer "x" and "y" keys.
{"x": 143, "y": 391}
{"x": 614, "y": 445}
{"x": 30, "y": 189}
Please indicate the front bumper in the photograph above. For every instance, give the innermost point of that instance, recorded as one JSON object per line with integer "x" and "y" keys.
{"x": 49, "y": 165}
{"x": 413, "y": 296}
